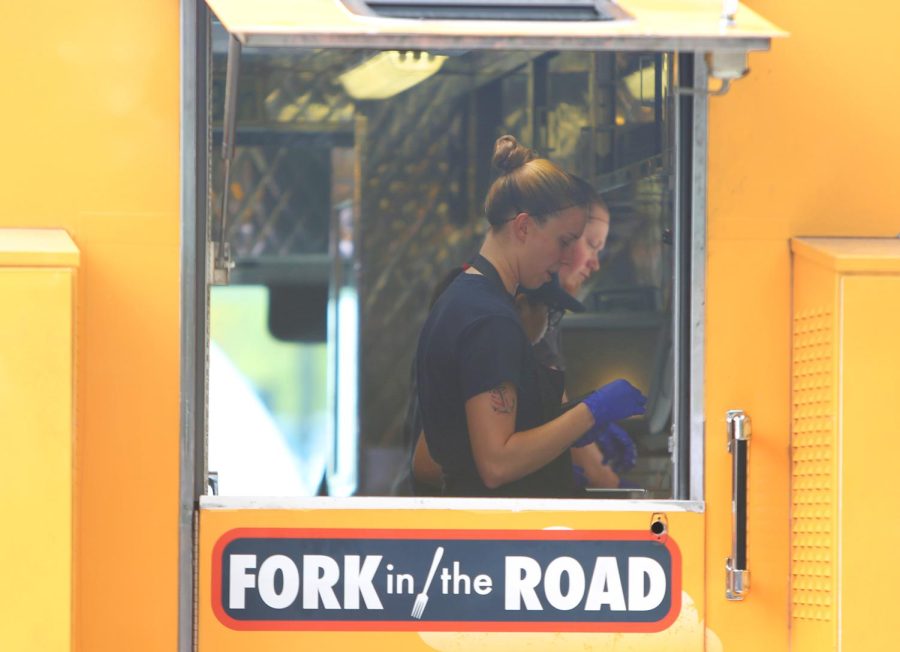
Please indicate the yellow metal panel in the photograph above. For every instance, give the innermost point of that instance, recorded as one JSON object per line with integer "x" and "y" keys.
{"x": 864, "y": 255}
{"x": 686, "y": 634}
{"x": 37, "y": 248}
{"x": 846, "y": 356}
{"x": 870, "y": 447}
{"x": 91, "y": 145}
{"x": 747, "y": 367}
{"x": 814, "y": 455}
{"x": 36, "y": 432}
{"x": 792, "y": 153}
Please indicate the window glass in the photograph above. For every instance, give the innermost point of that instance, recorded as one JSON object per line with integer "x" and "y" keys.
{"x": 266, "y": 437}
{"x": 359, "y": 180}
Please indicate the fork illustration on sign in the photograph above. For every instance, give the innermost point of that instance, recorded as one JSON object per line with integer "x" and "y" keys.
{"x": 422, "y": 598}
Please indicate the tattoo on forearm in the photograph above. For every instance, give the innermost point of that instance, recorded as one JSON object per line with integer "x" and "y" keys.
{"x": 502, "y": 400}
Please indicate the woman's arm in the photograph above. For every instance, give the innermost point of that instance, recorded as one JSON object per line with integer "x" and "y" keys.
{"x": 502, "y": 454}
{"x": 597, "y": 472}
{"x": 424, "y": 468}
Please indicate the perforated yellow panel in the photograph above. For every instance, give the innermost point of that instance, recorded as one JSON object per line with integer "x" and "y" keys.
{"x": 812, "y": 449}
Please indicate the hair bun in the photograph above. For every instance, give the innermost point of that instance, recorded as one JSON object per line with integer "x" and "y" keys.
{"x": 509, "y": 155}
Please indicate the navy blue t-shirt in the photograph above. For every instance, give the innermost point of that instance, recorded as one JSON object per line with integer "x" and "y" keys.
{"x": 472, "y": 342}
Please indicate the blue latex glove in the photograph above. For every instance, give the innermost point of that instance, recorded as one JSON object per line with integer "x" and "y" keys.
{"x": 616, "y": 401}
{"x": 618, "y": 449}
{"x": 579, "y": 476}
{"x": 591, "y": 436}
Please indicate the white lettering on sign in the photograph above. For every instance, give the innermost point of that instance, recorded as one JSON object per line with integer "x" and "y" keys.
{"x": 320, "y": 575}
{"x": 358, "y": 582}
{"x": 606, "y": 586}
{"x": 553, "y": 583}
{"x": 290, "y": 581}
{"x": 483, "y": 584}
{"x": 523, "y": 575}
{"x": 638, "y": 567}
{"x": 458, "y": 582}
{"x": 405, "y": 582}
{"x": 241, "y": 580}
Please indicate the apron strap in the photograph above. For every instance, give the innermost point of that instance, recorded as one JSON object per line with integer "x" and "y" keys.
{"x": 490, "y": 272}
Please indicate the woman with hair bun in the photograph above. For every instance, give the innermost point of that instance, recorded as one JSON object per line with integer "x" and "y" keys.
{"x": 487, "y": 422}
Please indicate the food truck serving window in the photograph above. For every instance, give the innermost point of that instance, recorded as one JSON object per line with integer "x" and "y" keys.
{"x": 357, "y": 180}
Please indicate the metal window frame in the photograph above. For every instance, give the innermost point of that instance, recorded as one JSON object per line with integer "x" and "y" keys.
{"x": 691, "y": 115}
{"x": 699, "y": 179}
{"x": 193, "y": 146}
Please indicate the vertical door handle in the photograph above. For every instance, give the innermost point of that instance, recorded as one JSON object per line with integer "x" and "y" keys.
{"x": 737, "y": 575}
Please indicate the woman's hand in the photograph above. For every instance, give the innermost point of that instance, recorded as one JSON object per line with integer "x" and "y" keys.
{"x": 615, "y": 401}
{"x": 591, "y": 436}
{"x": 618, "y": 449}
{"x": 617, "y": 446}
{"x": 594, "y": 471}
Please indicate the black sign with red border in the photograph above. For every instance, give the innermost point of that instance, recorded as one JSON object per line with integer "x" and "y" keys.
{"x": 446, "y": 580}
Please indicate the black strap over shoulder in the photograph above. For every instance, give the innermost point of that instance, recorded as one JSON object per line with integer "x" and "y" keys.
{"x": 488, "y": 270}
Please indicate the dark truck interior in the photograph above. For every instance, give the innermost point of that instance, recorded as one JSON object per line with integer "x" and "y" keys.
{"x": 358, "y": 181}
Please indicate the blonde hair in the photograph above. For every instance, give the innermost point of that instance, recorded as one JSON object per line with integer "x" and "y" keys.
{"x": 530, "y": 184}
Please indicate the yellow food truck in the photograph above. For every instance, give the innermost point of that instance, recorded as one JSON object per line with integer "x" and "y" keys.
{"x": 221, "y": 226}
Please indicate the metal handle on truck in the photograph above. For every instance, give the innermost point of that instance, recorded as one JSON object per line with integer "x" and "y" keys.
{"x": 737, "y": 575}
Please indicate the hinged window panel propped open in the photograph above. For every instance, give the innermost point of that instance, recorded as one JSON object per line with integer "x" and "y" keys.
{"x": 653, "y": 25}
